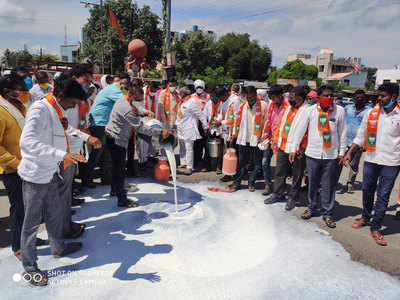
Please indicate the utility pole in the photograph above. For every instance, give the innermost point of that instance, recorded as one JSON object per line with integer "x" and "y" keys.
{"x": 168, "y": 29}
{"x": 168, "y": 70}
{"x": 87, "y": 4}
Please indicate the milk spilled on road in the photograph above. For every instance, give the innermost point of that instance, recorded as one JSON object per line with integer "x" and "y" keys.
{"x": 169, "y": 150}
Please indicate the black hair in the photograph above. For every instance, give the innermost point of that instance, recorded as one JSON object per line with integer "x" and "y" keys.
{"x": 236, "y": 87}
{"x": 359, "y": 91}
{"x": 11, "y": 82}
{"x": 251, "y": 90}
{"x": 275, "y": 90}
{"x": 80, "y": 70}
{"x": 325, "y": 87}
{"x": 307, "y": 88}
{"x": 153, "y": 84}
{"x": 109, "y": 78}
{"x": 69, "y": 88}
{"x": 288, "y": 87}
{"x": 137, "y": 88}
{"x": 20, "y": 69}
{"x": 300, "y": 91}
{"x": 389, "y": 88}
{"x": 220, "y": 92}
{"x": 124, "y": 76}
{"x": 172, "y": 79}
{"x": 41, "y": 75}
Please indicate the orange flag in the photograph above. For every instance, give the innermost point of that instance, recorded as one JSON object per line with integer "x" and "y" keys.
{"x": 114, "y": 23}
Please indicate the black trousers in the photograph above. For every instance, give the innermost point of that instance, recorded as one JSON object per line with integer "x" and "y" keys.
{"x": 101, "y": 155}
{"x": 200, "y": 149}
{"x": 131, "y": 158}
{"x": 245, "y": 154}
{"x": 283, "y": 166}
{"x": 13, "y": 184}
{"x": 118, "y": 155}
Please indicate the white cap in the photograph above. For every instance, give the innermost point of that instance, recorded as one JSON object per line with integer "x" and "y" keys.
{"x": 199, "y": 83}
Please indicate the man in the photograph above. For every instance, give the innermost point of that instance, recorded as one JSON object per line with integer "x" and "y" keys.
{"x": 281, "y": 139}
{"x": 201, "y": 158}
{"x": 248, "y": 130}
{"x": 44, "y": 145}
{"x": 275, "y": 111}
{"x": 326, "y": 146}
{"x": 23, "y": 72}
{"x": 379, "y": 134}
{"x": 354, "y": 116}
{"x": 99, "y": 115}
{"x": 167, "y": 104}
{"x": 188, "y": 116}
{"x": 42, "y": 88}
{"x": 12, "y": 120}
{"x": 125, "y": 117}
{"x": 231, "y": 110}
{"x": 215, "y": 115}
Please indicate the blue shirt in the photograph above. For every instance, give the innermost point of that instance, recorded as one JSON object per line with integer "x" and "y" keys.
{"x": 100, "y": 111}
{"x": 353, "y": 121}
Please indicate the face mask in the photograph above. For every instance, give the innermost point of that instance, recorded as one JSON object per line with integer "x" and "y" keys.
{"x": 23, "y": 96}
{"x": 85, "y": 89}
{"x": 389, "y": 104}
{"x": 309, "y": 101}
{"x": 28, "y": 82}
{"x": 172, "y": 89}
{"x": 326, "y": 102}
{"x": 199, "y": 90}
{"x": 293, "y": 103}
{"x": 252, "y": 101}
{"x": 278, "y": 101}
{"x": 124, "y": 91}
{"x": 44, "y": 86}
{"x": 152, "y": 94}
{"x": 214, "y": 99}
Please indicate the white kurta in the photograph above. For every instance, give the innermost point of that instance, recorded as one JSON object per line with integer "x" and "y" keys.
{"x": 187, "y": 125}
{"x": 208, "y": 111}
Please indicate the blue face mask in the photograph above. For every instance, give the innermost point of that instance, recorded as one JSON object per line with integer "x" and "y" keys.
{"x": 389, "y": 104}
{"x": 85, "y": 89}
{"x": 28, "y": 82}
{"x": 309, "y": 101}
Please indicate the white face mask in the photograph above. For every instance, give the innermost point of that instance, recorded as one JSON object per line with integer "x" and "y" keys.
{"x": 199, "y": 90}
{"x": 152, "y": 94}
{"x": 172, "y": 89}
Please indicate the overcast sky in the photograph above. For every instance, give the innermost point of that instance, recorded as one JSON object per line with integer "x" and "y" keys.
{"x": 363, "y": 28}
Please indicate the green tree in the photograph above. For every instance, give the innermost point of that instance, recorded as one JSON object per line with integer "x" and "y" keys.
{"x": 11, "y": 58}
{"x": 295, "y": 69}
{"x": 46, "y": 57}
{"x": 370, "y": 84}
{"x": 215, "y": 76}
{"x": 136, "y": 23}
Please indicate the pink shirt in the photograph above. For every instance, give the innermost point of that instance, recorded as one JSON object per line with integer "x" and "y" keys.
{"x": 277, "y": 114}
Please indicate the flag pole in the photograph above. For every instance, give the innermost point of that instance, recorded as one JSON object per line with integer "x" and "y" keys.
{"x": 111, "y": 58}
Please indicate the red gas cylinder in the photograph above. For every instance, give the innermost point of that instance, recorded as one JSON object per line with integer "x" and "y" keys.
{"x": 229, "y": 164}
{"x": 137, "y": 48}
{"x": 161, "y": 170}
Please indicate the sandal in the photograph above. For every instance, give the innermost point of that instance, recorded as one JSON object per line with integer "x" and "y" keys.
{"x": 378, "y": 238}
{"x": 128, "y": 203}
{"x": 307, "y": 214}
{"x": 36, "y": 278}
{"x": 329, "y": 222}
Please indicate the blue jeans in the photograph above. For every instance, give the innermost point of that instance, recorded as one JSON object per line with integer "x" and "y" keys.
{"x": 371, "y": 174}
{"x": 322, "y": 173}
{"x": 266, "y": 165}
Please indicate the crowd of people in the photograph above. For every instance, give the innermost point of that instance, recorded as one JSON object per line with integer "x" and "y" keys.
{"x": 55, "y": 130}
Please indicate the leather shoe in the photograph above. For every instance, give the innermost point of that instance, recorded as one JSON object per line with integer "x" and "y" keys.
{"x": 290, "y": 204}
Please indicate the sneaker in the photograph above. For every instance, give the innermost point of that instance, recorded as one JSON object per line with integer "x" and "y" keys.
{"x": 69, "y": 249}
{"x": 378, "y": 238}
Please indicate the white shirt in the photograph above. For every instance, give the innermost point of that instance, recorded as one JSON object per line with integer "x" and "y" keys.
{"x": 187, "y": 125}
{"x": 309, "y": 119}
{"x": 76, "y": 140}
{"x": 387, "y": 151}
{"x": 207, "y": 113}
{"x": 289, "y": 142}
{"x": 38, "y": 93}
{"x": 246, "y": 129}
{"x": 43, "y": 144}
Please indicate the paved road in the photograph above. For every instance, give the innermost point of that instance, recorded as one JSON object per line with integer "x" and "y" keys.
{"x": 357, "y": 242}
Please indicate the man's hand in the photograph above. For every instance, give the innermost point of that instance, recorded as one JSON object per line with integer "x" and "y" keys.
{"x": 149, "y": 113}
{"x": 74, "y": 158}
{"x": 292, "y": 157}
{"x": 340, "y": 160}
{"x": 95, "y": 142}
{"x": 64, "y": 122}
{"x": 164, "y": 133}
{"x": 347, "y": 159}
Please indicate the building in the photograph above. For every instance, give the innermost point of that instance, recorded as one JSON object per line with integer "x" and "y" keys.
{"x": 388, "y": 75}
{"x": 345, "y": 70}
{"x": 69, "y": 53}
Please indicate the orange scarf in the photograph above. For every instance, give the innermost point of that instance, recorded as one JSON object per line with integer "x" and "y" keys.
{"x": 231, "y": 116}
{"x": 84, "y": 108}
{"x": 214, "y": 111}
{"x": 325, "y": 129}
{"x": 167, "y": 104}
{"x": 257, "y": 118}
{"x": 153, "y": 98}
{"x": 180, "y": 114}
{"x": 286, "y": 128}
{"x": 50, "y": 98}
